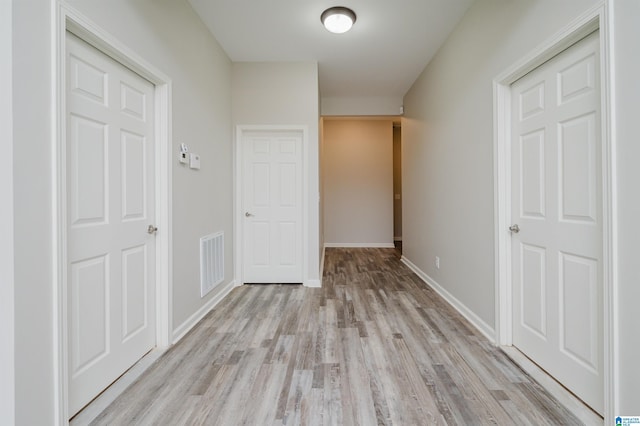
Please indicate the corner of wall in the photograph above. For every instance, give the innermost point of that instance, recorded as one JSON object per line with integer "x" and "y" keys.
{"x": 180, "y": 331}
{"x": 475, "y": 320}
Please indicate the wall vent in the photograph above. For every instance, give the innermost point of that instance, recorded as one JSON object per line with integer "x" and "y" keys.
{"x": 211, "y": 262}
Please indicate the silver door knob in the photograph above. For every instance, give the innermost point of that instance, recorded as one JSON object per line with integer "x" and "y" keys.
{"x": 247, "y": 214}
{"x": 152, "y": 229}
{"x": 514, "y": 228}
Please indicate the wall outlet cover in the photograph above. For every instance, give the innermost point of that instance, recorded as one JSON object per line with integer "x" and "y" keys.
{"x": 194, "y": 161}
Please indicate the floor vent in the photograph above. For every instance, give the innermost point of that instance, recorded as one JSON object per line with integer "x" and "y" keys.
{"x": 211, "y": 262}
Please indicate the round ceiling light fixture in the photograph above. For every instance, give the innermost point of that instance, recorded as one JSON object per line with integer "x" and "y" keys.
{"x": 338, "y": 19}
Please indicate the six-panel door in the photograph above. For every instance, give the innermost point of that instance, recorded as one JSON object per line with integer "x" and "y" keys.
{"x": 272, "y": 202}
{"x": 110, "y": 204}
{"x": 557, "y": 204}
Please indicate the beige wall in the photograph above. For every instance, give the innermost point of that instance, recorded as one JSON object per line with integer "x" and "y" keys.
{"x": 285, "y": 94}
{"x": 358, "y": 182}
{"x": 447, "y": 142}
{"x": 361, "y": 106}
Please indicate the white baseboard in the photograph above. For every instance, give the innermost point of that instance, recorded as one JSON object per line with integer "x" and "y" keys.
{"x": 566, "y": 398}
{"x": 110, "y": 394}
{"x": 475, "y": 320}
{"x": 359, "y": 245}
{"x": 324, "y": 250}
{"x": 186, "y": 326}
{"x": 313, "y": 283}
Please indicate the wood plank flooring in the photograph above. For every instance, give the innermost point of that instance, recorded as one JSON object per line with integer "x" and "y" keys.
{"x": 374, "y": 346}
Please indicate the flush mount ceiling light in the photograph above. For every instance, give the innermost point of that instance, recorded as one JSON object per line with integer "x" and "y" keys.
{"x": 338, "y": 19}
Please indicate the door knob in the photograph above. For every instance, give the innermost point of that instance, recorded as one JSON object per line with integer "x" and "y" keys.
{"x": 514, "y": 228}
{"x": 247, "y": 214}
{"x": 152, "y": 229}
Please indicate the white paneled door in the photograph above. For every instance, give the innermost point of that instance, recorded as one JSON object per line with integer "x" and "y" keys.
{"x": 272, "y": 207}
{"x": 557, "y": 206}
{"x": 110, "y": 205}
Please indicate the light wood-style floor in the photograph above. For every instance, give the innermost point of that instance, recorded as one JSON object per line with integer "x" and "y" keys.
{"x": 374, "y": 346}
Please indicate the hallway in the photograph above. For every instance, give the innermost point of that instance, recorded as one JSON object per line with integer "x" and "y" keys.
{"x": 375, "y": 345}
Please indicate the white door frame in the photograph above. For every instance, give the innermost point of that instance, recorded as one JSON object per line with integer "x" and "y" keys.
{"x": 238, "y": 224}
{"x": 68, "y": 19}
{"x": 593, "y": 19}
{"x": 7, "y": 292}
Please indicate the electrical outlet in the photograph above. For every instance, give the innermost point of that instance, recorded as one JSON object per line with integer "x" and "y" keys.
{"x": 194, "y": 161}
{"x": 437, "y": 262}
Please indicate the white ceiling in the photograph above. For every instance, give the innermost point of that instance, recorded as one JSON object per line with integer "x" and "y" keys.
{"x": 385, "y": 51}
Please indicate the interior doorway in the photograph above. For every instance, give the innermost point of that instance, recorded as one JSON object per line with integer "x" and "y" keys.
{"x": 594, "y": 271}
{"x": 111, "y": 211}
{"x": 397, "y": 185}
{"x": 358, "y": 181}
{"x": 556, "y": 170}
{"x": 71, "y": 213}
{"x": 271, "y": 217}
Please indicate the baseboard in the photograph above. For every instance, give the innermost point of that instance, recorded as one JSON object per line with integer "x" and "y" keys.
{"x": 313, "y": 283}
{"x": 566, "y": 398}
{"x": 324, "y": 250}
{"x": 474, "y": 319}
{"x": 186, "y": 326}
{"x": 89, "y": 413}
{"x": 359, "y": 245}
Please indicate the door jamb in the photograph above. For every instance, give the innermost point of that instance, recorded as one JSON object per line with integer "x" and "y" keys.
{"x": 68, "y": 19}
{"x": 594, "y": 19}
{"x": 238, "y": 228}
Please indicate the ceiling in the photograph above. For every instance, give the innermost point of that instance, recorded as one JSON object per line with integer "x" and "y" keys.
{"x": 383, "y": 54}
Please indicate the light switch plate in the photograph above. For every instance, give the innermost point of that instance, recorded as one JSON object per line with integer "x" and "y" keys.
{"x": 194, "y": 161}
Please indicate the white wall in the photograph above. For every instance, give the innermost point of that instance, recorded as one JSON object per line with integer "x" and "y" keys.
{"x": 33, "y": 261}
{"x": 7, "y": 365}
{"x": 357, "y": 167}
{"x": 159, "y": 31}
{"x": 447, "y": 142}
{"x": 626, "y": 16}
{"x": 284, "y": 94}
{"x": 360, "y": 106}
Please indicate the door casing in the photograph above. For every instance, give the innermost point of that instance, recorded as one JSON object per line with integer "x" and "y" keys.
{"x": 68, "y": 19}
{"x": 238, "y": 228}
{"x": 592, "y": 20}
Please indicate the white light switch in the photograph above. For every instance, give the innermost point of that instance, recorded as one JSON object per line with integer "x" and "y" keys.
{"x": 183, "y": 156}
{"x": 194, "y": 161}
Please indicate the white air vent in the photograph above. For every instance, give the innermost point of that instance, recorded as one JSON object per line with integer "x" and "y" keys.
{"x": 211, "y": 262}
